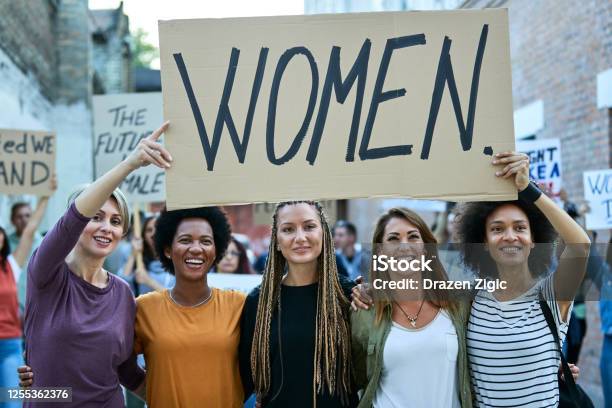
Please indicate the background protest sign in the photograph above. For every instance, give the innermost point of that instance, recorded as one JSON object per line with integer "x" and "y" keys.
{"x": 120, "y": 121}
{"x": 242, "y": 283}
{"x": 598, "y": 192}
{"x": 27, "y": 161}
{"x": 544, "y": 162}
{"x": 268, "y": 109}
{"x": 263, "y": 212}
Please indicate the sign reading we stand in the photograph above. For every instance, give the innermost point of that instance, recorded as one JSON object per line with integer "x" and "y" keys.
{"x": 27, "y": 161}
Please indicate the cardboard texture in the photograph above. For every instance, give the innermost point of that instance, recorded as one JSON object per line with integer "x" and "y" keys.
{"x": 544, "y": 162}
{"x": 263, "y": 212}
{"x": 598, "y": 193}
{"x": 27, "y": 161}
{"x": 120, "y": 122}
{"x": 418, "y": 76}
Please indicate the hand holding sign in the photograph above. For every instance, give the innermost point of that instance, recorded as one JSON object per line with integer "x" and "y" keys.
{"x": 149, "y": 151}
{"x": 516, "y": 164}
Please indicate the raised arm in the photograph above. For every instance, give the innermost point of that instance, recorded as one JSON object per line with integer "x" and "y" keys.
{"x": 27, "y": 236}
{"x": 147, "y": 152}
{"x": 572, "y": 264}
{"x": 62, "y": 238}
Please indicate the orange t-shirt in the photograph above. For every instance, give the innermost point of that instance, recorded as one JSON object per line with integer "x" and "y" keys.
{"x": 191, "y": 354}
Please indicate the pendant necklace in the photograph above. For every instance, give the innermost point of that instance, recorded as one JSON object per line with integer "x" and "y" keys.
{"x": 412, "y": 319}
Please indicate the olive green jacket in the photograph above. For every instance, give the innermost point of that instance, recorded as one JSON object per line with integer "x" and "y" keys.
{"x": 368, "y": 340}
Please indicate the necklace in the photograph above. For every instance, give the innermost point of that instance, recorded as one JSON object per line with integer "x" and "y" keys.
{"x": 412, "y": 319}
{"x": 196, "y": 305}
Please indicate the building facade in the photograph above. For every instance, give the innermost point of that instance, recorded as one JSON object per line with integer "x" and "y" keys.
{"x": 49, "y": 68}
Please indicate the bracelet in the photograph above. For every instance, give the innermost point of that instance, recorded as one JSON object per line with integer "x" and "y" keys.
{"x": 530, "y": 194}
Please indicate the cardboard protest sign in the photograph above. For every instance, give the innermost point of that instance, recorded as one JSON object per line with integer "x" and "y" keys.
{"x": 415, "y": 205}
{"x": 120, "y": 122}
{"x": 242, "y": 283}
{"x": 544, "y": 162}
{"x": 27, "y": 161}
{"x": 598, "y": 192}
{"x": 263, "y": 212}
{"x": 337, "y": 106}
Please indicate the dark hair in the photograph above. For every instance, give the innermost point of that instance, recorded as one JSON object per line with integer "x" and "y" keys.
{"x": 244, "y": 266}
{"x": 471, "y": 229}
{"x": 148, "y": 252}
{"x": 5, "y": 250}
{"x": 350, "y": 227}
{"x": 15, "y": 207}
{"x": 168, "y": 222}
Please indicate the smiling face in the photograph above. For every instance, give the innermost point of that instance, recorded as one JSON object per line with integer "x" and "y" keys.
{"x": 299, "y": 233}
{"x": 103, "y": 232}
{"x": 193, "y": 249}
{"x": 402, "y": 239}
{"x": 508, "y": 235}
{"x": 229, "y": 262}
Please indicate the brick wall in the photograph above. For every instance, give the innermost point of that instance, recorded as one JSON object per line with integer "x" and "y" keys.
{"x": 558, "y": 47}
{"x": 74, "y": 52}
{"x": 28, "y": 37}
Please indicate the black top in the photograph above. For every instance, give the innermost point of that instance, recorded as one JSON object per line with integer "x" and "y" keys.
{"x": 293, "y": 362}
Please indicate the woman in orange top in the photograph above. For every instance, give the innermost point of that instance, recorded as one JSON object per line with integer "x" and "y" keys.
{"x": 189, "y": 334}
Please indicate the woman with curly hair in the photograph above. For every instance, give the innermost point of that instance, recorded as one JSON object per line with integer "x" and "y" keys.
{"x": 512, "y": 353}
{"x": 191, "y": 332}
{"x": 295, "y": 343}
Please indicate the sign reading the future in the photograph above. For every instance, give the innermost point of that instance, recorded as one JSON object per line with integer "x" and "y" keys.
{"x": 337, "y": 106}
{"x": 598, "y": 193}
{"x": 27, "y": 161}
{"x": 120, "y": 122}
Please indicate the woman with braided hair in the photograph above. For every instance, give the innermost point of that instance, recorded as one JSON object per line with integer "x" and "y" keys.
{"x": 295, "y": 336}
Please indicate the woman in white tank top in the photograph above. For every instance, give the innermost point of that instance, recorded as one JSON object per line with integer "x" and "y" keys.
{"x": 409, "y": 350}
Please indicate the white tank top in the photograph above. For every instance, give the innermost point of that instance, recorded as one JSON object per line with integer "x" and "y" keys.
{"x": 420, "y": 366}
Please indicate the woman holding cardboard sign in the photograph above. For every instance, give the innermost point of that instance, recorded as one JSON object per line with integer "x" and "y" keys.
{"x": 513, "y": 332}
{"x": 513, "y": 355}
{"x": 295, "y": 342}
{"x": 79, "y": 322}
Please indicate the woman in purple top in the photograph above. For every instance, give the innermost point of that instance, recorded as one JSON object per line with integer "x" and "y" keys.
{"x": 79, "y": 322}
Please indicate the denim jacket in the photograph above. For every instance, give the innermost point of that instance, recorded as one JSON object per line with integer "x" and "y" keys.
{"x": 368, "y": 340}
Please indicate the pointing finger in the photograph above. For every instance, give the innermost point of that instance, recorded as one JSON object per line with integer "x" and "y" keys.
{"x": 157, "y": 134}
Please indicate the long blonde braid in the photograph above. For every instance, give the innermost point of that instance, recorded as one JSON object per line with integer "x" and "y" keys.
{"x": 332, "y": 367}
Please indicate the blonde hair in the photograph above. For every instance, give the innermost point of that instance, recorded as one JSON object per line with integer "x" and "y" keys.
{"x": 119, "y": 197}
{"x": 332, "y": 356}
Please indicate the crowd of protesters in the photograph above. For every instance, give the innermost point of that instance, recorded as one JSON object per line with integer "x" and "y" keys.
{"x": 294, "y": 340}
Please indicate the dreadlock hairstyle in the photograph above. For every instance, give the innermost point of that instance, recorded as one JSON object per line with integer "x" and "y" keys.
{"x": 332, "y": 349}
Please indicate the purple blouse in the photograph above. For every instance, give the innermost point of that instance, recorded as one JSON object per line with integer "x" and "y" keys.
{"x": 78, "y": 335}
